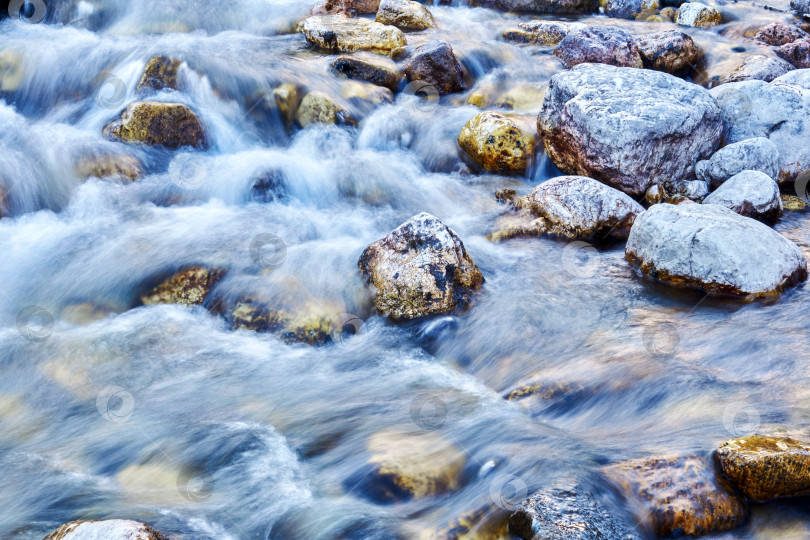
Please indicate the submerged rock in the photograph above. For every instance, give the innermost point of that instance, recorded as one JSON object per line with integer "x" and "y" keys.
{"x": 630, "y": 9}
{"x": 567, "y": 512}
{"x": 780, "y": 33}
{"x": 764, "y": 468}
{"x": 349, "y": 8}
{"x": 405, "y": 14}
{"x": 697, "y": 14}
{"x": 796, "y": 53}
{"x": 560, "y": 7}
{"x": 678, "y": 495}
{"x": 694, "y": 190}
{"x": 420, "y": 269}
{"x": 408, "y": 465}
{"x": 607, "y": 123}
{"x": 540, "y": 32}
{"x": 497, "y": 143}
{"x": 160, "y": 72}
{"x": 792, "y": 203}
{"x": 121, "y": 167}
{"x": 580, "y": 207}
{"x": 757, "y": 67}
{"x": 343, "y": 34}
{"x": 434, "y": 63}
{"x": 287, "y": 98}
{"x": 599, "y": 44}
{"x": 801, "y": 6}
{"x": 188, "y": 286}
{"x": 375, "y": 72}
{"x": 757, "y": 154}
{"x": 777, "y": 111}
{"x": 670, "y": 51}
{"x": 110, "y": 529}
{"x": 749, "y": 193}
{"x": 172, "y": 125}
{"x": 708, "y": 247}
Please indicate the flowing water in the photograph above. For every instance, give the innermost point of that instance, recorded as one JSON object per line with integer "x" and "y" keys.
{"x": 164, "y": 414}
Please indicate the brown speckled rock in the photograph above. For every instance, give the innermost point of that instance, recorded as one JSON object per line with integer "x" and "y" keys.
{"x": 160, "y": 72}
{"x": 678, "y": 495}
{"x": 540, "y": 32}
{"x": 780, "y": 33}
{"x": 110, "y": 529}
{"x": 420, "y": 269}
{"x": 797, "y": 53}
{"x": 599, "y": 45}
{"x": 172, "y": 125}
{"x": 497, "y": 143}
{"x": 670, "y": 51}
{"x": 436, "y": 64}
{"x": 188, "y": 286}
{"x": 405, "y": 14}
{"x": 698, "y": 14}
{"x": 350, "y": 8}
{"x": 763, "y": 468}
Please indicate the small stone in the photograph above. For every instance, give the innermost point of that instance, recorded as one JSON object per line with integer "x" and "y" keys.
{"x": 668, "y": 13}
{"x": 189, "y": 286}
{"x": 343, "y": 34}
{"x": 670, "y": 51}
{"x": 694, "y": 190}
{"x": 521, "y": 224}
{"x": 749, "y": 193}
{"x": 757, "y": 67}
{"x": 12, "y": 72}
{"x": 757, "y": 154}
{"x": 371, "y": 71}
{"x": 792, "y": 203}
{"x": 780, "y": 34}
{"x": 172, "y": 125}
{"x": 540, "y": 32}
{"x": 797, "y": 53}
{"x": 287, "y": 98}
{"x": 349, "y": 8}
{"x": 420, "y": 269}
{"x": 434, "y": 63}
{"x": 710, "y": 248}
{"x": 697, "y": 14}
{"x": 679, "y": 495}
{"x": 160, "y": 72}
{"x": 110, "y": 529}
{"x": 319, "y": 108}
{"x": 601, "y": 45}
{"x": 581, "y": 208}
{"x": 497, "y": 143}
{"x": 764, "y": 468}
{"x": 405, "y": 14}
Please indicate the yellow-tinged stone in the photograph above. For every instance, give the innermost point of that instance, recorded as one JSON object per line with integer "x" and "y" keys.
{"x": 792, "y": 203}
{"x": 155, "y": 123}
{"x": 287, "y": 99}
{"x": 189, "y": 286}
{"x": 121, "y": 167}
{"x": 763, "y": 467}
{"x": 11, "y": 70}
{"x": 498, "y": 143}
{"x": 415, "y": 465}
{"x": 160, "y": 72}
{"x": 344, "y": 34}
{"x": 319, "y": 108}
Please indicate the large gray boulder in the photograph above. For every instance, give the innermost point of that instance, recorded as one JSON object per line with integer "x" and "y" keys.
{"x": 583, "y": 208}
{"x": 419, "y": 269}
{"x": 629, "y": 128}
{"x": 777, "y": 111}
{"x": 757, "y": 154}
{"x": 757, "y": 67}
{"x": 630, "y": 9}
{"x": 711, "y": 248}
{"x": 749, "y": 193}
{"x": 599, "y": 44}
{"x": 110, "y": 529}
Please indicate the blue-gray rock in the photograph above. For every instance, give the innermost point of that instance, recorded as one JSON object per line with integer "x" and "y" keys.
{"x": 710, "y": 248}
{"x": 757, "y": 154}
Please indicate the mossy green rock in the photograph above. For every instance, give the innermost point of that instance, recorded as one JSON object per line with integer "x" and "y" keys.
{"x": 763, "y": 468}
{"x": 172, "y": 125}
{"x": 160, "y": 72}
